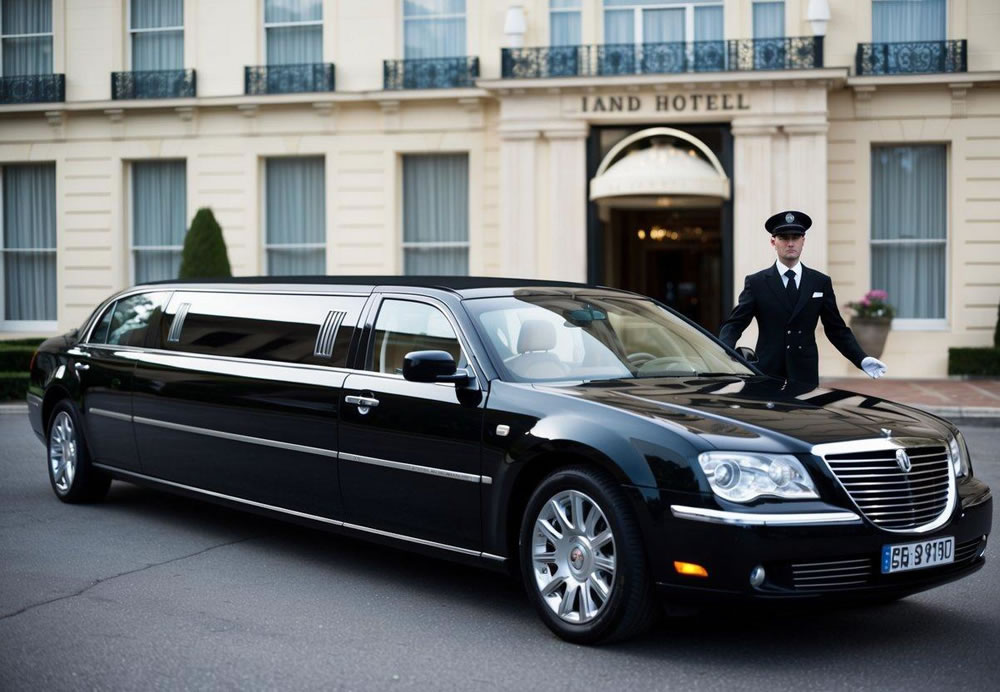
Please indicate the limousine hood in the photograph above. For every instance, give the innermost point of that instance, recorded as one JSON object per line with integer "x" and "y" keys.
{"x": 756, "y": 413}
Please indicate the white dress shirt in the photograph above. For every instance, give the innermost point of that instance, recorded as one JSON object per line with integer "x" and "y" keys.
{"x": 784, "y": 279}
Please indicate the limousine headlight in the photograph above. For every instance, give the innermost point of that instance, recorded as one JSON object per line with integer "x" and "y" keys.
{"x": 743, "y": 476}
{"x": 959, "y": 453}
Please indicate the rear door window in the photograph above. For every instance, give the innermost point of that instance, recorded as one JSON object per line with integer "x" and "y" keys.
{"x": 127, "y": 321}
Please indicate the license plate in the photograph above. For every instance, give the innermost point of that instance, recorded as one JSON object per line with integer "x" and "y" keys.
{"x": 903, "y": 557}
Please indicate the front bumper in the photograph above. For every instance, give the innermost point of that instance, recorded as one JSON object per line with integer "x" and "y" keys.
{"x": 844, "y": 553}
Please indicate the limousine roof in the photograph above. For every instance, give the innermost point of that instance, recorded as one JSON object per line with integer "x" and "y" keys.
{"x": 465, "y": 286}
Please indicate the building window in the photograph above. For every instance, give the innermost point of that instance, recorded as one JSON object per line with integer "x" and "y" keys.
{"x": 29, "y": 244}
{"x": 295, "y": 216}
{"x": 662, "y": 21}
{"x": 433, "y": 28}
{"x": 26, "y": 34}
{"x": 436, "y": 214}
{"x": 909, "y": 228}
{"x": 895, "y": 21}
{"x": 769, "y": 19}
{"x": 157, "y": 31}
{"x": 293, "y": 31}
{"x": 564, "y": 23}
{"x": 159, "y": 219}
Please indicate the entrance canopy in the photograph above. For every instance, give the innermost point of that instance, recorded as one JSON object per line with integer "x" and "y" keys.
{"x": 662, "y": 175}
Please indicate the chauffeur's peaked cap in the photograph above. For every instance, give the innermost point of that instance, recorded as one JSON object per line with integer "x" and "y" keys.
{"x": 788, "y": 223}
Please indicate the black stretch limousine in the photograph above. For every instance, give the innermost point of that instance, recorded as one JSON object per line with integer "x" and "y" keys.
{"x": 590, "y": 439}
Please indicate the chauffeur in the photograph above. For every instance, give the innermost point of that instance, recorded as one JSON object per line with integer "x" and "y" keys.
{"x": 787, "y": 299}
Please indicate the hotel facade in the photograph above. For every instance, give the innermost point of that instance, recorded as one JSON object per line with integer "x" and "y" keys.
{"x": 635, "y": 143}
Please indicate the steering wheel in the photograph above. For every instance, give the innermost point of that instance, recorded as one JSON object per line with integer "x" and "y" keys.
{"x": 640, "y": 358}
{"x": 666, "y": 364}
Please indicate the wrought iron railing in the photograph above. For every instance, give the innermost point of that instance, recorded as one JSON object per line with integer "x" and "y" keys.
{"x": 153, "y": 84}
{"x": 33, "y": 88}
{"x": 288, "y": 79}
{"x": 430, "y": 73}
{"x": 911, "y": 57}
{"x": 790, "y": 53}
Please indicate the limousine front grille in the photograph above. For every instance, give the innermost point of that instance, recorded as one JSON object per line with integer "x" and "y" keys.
{"x": 833, "y": 574}
{"x": 891, "y": 497}
{"x": 328, "y": 334}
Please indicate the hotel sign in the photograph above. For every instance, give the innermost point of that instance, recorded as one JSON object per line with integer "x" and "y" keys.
{"x": 682, "y": 103}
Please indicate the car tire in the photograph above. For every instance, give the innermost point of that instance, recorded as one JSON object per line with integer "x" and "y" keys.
{"x": 74, "y": 479}
{"x": 582, "y": 559}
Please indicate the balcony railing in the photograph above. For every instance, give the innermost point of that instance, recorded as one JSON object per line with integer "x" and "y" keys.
{"x": 33, "y": 88}
{"x": 791, "y": 53}
{"x": 430, "y": 73}
{"x": 153, "y": 84}
{"x": 288, "y": 79}
{"x": 911, "y": 57}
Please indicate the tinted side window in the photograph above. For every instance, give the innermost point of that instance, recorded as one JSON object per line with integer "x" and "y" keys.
{"x": 283, "y": 328}
{"x": 100, "y": 333}
{"x": 403, "y": 326}
{"x": 131, "y": 319}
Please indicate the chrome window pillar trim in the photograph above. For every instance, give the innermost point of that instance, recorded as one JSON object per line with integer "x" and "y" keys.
{"x": 883, "y": 443}
{"x": 303, "y": 515}
{"x": 110, "y": 414}
{"x": 717, "y": 516}
{"x": 429, "y": 470}
{"x": 237, "y": 437}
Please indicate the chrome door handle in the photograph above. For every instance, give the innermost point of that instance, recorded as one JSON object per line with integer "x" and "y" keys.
{"x": 81, "y": 366}
{"x": 364, "y": 403}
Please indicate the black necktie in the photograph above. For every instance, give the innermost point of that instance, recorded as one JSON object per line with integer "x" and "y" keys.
{"x": 791, "y": 290}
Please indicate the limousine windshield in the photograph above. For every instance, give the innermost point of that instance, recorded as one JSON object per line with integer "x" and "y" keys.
{"x": 560, "y": 337}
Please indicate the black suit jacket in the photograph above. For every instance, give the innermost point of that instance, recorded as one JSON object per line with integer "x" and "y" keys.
{"x": 786, "y": 341}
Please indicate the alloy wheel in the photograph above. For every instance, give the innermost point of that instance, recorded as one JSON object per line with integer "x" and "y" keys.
{"x": 63, "y": 451}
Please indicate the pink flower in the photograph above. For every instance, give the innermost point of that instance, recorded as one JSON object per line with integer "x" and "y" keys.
{"x": 865, "y": 301}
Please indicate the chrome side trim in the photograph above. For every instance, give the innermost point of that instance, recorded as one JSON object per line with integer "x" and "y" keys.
{"x": 716, "y": 516}
{"x": 429, "y": 470}
{"x": 110, "y": 414}
{"x": 304, "y": 515}
{"x": 237, "y": 437}
{"x": 174, "y": 335}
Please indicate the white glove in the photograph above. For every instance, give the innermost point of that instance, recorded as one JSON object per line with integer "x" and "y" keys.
{"x": 874, "y": 367}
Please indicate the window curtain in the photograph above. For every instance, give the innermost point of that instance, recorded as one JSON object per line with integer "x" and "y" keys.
{"x": 908, "y": 20}
{"x": 29, "y": 242}
{"x": 619, "y": 26}
{"x": 294, "y": 45}
{"x": 433, "y": 28}
{"x": 909, "y": 228}
{"x": 159, "y": 218}
{"x": 564, "y": 27}
{"x": 708, "y": 23}
{"x": 436, "y": 214}
{"x": 28, "y": 55}
{"x": 296, "y": 216}
{"x": 769, "y": 20}
{"x": 157, "y": 50}
{"x": 663, "y": 26}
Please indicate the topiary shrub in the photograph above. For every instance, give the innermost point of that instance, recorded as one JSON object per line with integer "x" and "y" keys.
{"x": 974, "y": 361}
{"x": 13, "y": 386}
{"x": 15, "y": 357}
{"x": 204, "y": 255}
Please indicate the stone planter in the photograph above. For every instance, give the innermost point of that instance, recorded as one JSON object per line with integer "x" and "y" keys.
{"x": 871, "y": 333}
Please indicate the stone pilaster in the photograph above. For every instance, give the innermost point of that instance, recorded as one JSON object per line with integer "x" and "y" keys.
{"x": 567, "y": 204}
{"x": 518, "y": 202}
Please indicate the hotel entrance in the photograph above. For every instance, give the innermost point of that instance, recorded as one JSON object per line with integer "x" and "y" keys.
{"x": 661, "y": 216}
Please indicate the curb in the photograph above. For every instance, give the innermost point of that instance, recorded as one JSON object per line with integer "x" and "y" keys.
{"x": 13, "y": 408}
{"x": 967, "y": 412}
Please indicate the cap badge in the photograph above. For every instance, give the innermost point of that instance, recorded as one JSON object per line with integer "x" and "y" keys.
{"x": 789, "y": 218}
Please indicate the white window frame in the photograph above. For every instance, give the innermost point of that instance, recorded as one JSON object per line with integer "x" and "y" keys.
{"x": 264, "y": 245}
{"x": 5, "y": 36}
{"x": 566, "y": 10}
{"x": 278, "y": 25}
{"x": 22, "y": 325}
{"x": 688, "y": 8}
{"x": 132, "y": 32}
{"x": 920, "y": 324}
{"x": 464, "y": 16}
{"x": 130, "y": 220}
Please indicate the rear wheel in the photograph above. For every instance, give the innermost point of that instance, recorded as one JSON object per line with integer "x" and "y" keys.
{"x": 582, "y": 559}
{"x": 73, "y": 477}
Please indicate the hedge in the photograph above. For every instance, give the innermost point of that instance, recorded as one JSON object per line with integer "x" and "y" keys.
{"x": 14, "y": 358}
{"x": 974, "y": 361}
{"x": 13, "y": 386}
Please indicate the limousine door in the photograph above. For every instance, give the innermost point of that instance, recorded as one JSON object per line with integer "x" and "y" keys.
{"x": 241, "y": 397}
{"x": 410, "y": 451}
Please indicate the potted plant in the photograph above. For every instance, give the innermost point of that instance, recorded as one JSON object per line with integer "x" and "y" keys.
{"x": 871, "y": 321}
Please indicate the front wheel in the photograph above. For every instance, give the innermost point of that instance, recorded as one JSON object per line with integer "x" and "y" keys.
{"x": 71, "y": 474}
{"x": 582, "y": 559}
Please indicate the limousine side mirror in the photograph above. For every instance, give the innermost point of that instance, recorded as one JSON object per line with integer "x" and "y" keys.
{"x": 747, "y": 354}
{"x": 432, "y": 366}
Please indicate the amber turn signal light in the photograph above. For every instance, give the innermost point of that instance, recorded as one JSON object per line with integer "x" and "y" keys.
{"x": 689, "y": 569}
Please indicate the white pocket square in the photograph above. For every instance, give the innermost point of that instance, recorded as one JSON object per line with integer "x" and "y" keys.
{"x": 818, "y": 294}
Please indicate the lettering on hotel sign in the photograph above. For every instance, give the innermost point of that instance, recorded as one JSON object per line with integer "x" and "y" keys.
{"x": 666, "y": 103}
